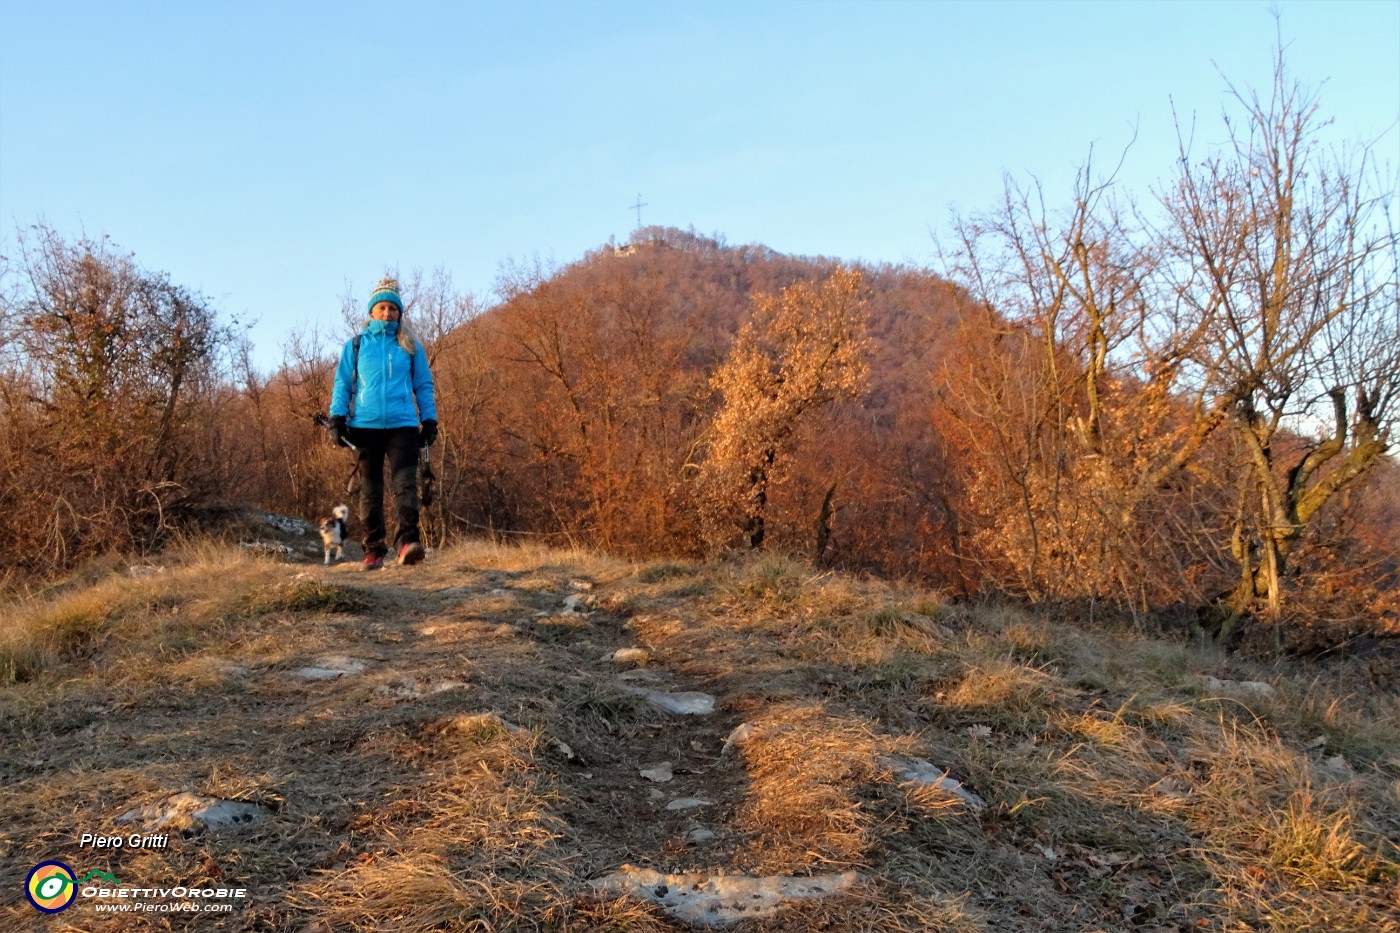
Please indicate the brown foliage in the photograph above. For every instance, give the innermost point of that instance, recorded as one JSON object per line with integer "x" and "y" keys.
{"x": 1160, "y": 408}
{"x": 108, "y": 397}
{"x": 802, "y": 350}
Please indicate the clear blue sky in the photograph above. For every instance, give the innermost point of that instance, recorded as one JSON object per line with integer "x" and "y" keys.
{"x": 276, "y": 155}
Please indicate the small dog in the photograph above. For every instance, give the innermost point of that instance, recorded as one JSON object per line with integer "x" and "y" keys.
{"x": 333, "y": 532}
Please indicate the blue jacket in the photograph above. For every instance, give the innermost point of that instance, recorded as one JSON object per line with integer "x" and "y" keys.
{"x": 393, "y": 390}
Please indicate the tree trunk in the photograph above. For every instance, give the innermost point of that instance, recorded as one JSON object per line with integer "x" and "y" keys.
{"x": 823, "y": 528}
{"x": 755, "y": 524}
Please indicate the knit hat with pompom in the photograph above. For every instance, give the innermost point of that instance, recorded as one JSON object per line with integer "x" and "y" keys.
{"x": 386, "y": 290}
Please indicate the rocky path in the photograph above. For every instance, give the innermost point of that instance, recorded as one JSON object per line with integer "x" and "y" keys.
{"x": 639, "y": 747}
{"x": 493, "y": 734}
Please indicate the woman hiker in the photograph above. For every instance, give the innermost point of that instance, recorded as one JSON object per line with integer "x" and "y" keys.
{"x": 391, "y": 414}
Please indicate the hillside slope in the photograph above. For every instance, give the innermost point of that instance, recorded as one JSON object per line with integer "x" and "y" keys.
{"x": 582, "y": 406}
{"x": 459, "y": 746}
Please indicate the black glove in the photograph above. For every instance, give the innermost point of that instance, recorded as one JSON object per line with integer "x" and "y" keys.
{"x": 427, "y": 434}
{"x": 336, "y": 427}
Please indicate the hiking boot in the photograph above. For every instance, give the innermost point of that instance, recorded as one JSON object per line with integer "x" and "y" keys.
{"x": 372, "y": 561}
{"x": 411, "y": 553}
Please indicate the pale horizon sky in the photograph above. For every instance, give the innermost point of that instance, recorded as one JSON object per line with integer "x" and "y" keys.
{"x": 275, "y": 155}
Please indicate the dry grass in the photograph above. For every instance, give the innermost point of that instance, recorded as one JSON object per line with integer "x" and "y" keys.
{"x": 168, "y": 609}
{"x": 307, "y": 596}
{"x": 807, "y": 772}
{"x": 768, "y": 580}
{"x": 1004, "y": 696}
{"x": 430, "y": 791}
{"x": 1286, "y": 852}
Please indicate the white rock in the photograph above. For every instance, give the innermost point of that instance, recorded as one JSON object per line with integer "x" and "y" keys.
{"x": 1251, "y": 687}
{"x": 739, "y": 736}
{"x": 1337, "y": 764}
{"x": 331, "y": 667}
{"x": 699, "y": 836}
{"x": 660, "y": 773}
{"x": 575, "y": 605}
{"x": 411, "y": 688}
{"x": 270, "y": 548}
{"x": 287, "y": 524}
{"x": 185, "y": 809}
{"x": 688, "y": 703}
{"x": 918, "y": 771}
{"x": 716, "y": 900}
{"x": 687, "y": 803}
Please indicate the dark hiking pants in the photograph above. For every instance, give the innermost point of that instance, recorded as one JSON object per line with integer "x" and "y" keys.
{"x": 400, "y": 446}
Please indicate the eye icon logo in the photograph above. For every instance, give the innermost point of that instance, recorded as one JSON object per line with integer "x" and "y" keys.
{"x": 50, "y": 887}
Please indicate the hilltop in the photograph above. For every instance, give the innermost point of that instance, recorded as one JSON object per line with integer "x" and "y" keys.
{"x": 475, "y": 743}
{"x": 584, "y": 403}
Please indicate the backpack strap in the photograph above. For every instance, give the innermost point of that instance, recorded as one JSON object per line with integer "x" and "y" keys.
{"x": 354, "y": 374}
{"x": 355, "y": 370}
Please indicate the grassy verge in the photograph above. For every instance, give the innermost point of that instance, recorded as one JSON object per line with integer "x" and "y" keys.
{"x": 482, "y": 761}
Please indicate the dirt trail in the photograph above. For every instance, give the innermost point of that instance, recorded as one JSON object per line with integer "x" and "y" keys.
{"x": 342, "y": 727}
{"x": 458, "y": 745}
{"x": 537, "y": 647}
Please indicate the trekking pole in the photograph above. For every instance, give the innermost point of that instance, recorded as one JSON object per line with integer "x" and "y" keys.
{"x": 354, "y": 466}
{"x": 428, "y": 477}
{"x": 321, "y": 419}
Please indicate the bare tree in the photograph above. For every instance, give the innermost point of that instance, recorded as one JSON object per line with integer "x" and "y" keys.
{"x": 442, "y": 320}
{"x": 1042, "y": 385}
{"x": 1247, "y": 336}
{"x": 111, "y": 365}
{"x": 1283, "y": 257}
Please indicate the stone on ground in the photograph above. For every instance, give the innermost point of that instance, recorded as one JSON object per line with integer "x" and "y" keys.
{"x": 687, "y": 703}
{"x": 331, "y": 667}
{"x": 918, "y": 771}
{"x": 716, "y": 900}
{"x": 184, "y": 810}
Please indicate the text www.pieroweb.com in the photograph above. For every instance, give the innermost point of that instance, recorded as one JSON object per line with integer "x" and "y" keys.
{"x": 184, "y": 907}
